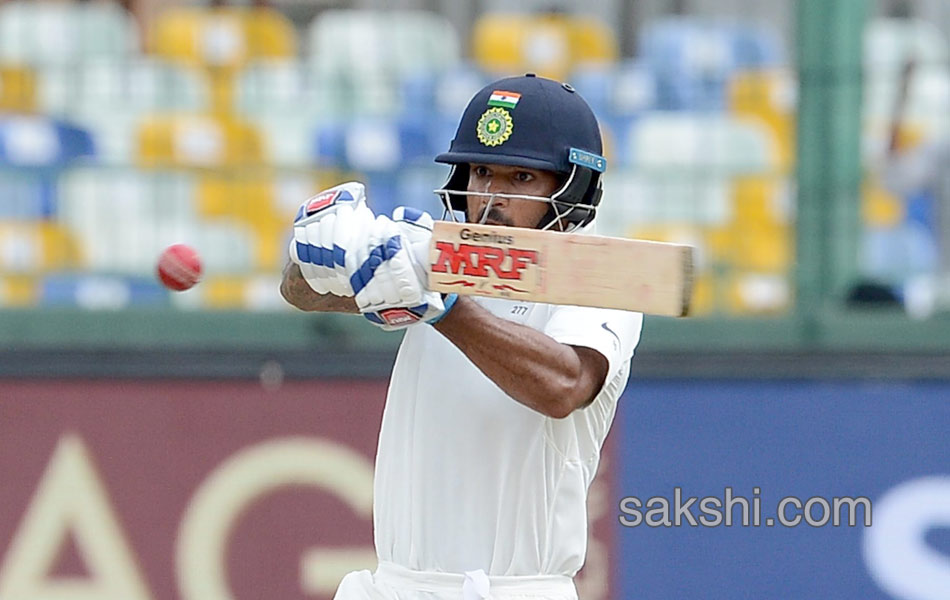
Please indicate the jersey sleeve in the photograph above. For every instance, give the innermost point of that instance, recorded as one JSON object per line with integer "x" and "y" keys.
{"x": 613, "y": 333}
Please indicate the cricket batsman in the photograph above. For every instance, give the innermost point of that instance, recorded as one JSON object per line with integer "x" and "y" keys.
{"x": 497, "y": 409}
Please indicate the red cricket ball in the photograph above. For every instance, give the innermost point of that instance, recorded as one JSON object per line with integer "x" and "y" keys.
{"x": 179, "y": 267}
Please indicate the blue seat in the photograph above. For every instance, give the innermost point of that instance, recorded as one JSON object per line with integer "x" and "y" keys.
{"x": 434, "y": 102}
{"x": 26, "y": 195}
{"x": 695, "y": 58}
{"x": 758, "y": 47}
{"x": 594, "y": 84}
{"x": 328, "y": 144}
{"x": 618, "y": 96}
{"x": 97, "y": 292}
{"x": 415, "y": 188}
{"x": 27, "y": 141}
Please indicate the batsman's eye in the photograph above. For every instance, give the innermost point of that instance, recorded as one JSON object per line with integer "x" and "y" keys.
{"x": 481, "y": 171}
{"x": 524, "y": 176}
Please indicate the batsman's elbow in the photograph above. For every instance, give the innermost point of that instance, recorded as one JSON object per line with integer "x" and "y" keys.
{"x": 562, "y": 400}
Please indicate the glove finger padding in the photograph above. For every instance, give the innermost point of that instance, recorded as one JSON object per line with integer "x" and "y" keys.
{"x": 325, "y": 228}
{"x": 318, "y": 254}
{"x": 307, "y": 270}
{"x": 314, "y": 247}
{"x": 406, "y": 271}
{"x": 416, "y": 227}
{"x": 351, "y": 229}
{"x": 374, "y": 284}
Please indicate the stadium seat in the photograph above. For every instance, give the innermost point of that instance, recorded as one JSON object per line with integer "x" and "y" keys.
{"x": 128, "y": 85}
{"x": 279, "y": 86}
{"x": 619, "y": 95}
{"x": 694, "y": 58}
{"x": 122, "y": 220}
{"x": 109, "y": 96}
{"x": 29, "y": 141}
{"x": 713, "y": 180}
{"x": 198, "y": 141}
{"x": 361, "y": 56}
{"x": 27, "y": 194}
{"x": 64, "y": 32}
{"x": 379, "y": 149}
{"x": 282, "y": 99}
{"x": 18, "y": 291}
{"x": 101, "y": 291}
{"x": 719, "y": 143}
{"x": 415, "y": 187}
{"x": 221, "y": 40}
{"x": 263, "y": 202}
{"x": 551, "y": 45}
{"x": 37, "y": 247}
{"x": 643, "y": 197}
{"x": 222, "y": 37}
{"x": 433, "y": 104}
{"x": 769, "y": 97}
{"x": 17, "y": 89}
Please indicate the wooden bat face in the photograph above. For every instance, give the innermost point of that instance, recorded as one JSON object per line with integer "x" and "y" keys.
{"x": 561, "y": 268}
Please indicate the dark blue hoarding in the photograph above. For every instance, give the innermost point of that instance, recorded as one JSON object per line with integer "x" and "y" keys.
{"x": 834, "y": 450}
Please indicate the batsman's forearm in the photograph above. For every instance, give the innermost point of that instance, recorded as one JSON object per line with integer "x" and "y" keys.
{"x": 296, "y": 291}
{"x": 531, "y": 367}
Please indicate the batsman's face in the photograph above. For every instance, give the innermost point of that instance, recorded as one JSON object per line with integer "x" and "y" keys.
{"x": 518, "y": 181}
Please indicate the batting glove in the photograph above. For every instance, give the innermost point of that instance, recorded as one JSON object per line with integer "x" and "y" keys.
{"x": 324, "y": 229}
{"x": 389, "y": 274}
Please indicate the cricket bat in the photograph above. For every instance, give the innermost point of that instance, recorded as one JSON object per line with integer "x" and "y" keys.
{"x": 561, "y": 268}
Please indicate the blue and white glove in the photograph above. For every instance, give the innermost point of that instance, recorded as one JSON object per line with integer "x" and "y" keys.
{"x": 389, "y": 274}
{"x": 325, "y": 228}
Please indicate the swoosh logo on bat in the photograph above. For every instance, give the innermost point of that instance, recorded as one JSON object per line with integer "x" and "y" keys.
{"x": 508, "y": 288}
{"x": 459, "y": 282}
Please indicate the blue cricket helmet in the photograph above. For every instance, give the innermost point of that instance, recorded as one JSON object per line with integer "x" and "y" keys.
{"x": 532, "y": 122}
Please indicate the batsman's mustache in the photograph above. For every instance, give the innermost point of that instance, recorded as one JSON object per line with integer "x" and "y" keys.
{"x": 494, "y": 215}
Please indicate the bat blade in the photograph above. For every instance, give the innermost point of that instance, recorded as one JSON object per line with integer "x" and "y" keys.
{"x": 560, "y": 268}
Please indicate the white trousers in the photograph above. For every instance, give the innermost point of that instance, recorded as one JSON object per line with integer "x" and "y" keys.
{"x": 394, "y": 582}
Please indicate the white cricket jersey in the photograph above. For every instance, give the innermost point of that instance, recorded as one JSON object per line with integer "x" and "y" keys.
{"x": 468, "y": 478}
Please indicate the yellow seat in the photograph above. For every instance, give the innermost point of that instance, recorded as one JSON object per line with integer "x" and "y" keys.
{"x": 37, "y": 247}
{"x": 224, "y": 292}
{"x": 225, "y": 37}
{"x": 766, "y": 248}
{"x": 768, "y": 96}
{"x": 198, "y": 141}
{"x": 249, "y": 201}
{"x": 261, "y": 202}
{"x": 549, "y": 45}
{"x": 756, "y": 201}
{"x": 18, "y": 291}
{"x": 222, "y": 40}
{"x": 753, "y": 267}
{"x": 17, "y": 89}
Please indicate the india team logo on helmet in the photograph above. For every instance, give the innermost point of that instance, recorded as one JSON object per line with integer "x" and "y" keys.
{"x": 494, "y": 127}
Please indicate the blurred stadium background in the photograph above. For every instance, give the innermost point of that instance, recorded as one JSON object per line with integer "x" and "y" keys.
{"x": 155, "y": 444}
